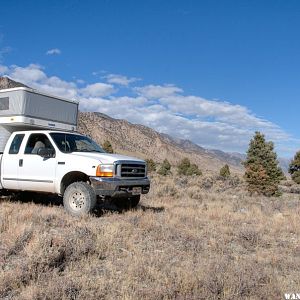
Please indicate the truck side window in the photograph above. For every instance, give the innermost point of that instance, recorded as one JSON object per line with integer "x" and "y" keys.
{"x": 36, "y": 141}
{"x": 16, "y": 144}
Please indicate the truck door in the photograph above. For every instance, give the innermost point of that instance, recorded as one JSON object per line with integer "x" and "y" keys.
{"x": 35, "y": 172}
{"x": 10, "y": 164}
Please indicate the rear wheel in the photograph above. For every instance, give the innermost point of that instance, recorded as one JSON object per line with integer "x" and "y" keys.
{"x": 127, "y": 203}
{"x": 79, "y": 198}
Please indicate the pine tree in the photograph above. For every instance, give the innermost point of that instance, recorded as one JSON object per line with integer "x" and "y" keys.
{"x": 107, "y": 147}
{"x": 225, "y": 171}
{"x": 294, "y": 168}
{"x": 262, "y": 171}
{"x": 151, "y": 165}
{"x": 183, "y": 166}
{"x": 193, "y": 170}
{"x": 186, "y": 168}
{"x": 165, "y": 168}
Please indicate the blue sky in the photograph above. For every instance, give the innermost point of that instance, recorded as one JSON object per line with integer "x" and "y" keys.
{"x": 210, "y": 71}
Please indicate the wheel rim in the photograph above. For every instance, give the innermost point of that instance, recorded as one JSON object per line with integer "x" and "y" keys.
{"x": 77, "y": 201}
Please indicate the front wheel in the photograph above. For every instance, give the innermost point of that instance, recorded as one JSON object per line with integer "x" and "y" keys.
{"x": 79, "y": 198}
{"x": 127, "y": 203}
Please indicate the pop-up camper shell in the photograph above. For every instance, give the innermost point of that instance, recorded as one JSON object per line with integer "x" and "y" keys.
{"x": 25, "y": 109}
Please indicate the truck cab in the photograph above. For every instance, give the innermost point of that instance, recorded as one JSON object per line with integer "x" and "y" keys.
{"x": 73, "y": 166}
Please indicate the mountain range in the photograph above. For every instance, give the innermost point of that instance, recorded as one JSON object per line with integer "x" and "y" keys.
{"x": 144, "y": 142}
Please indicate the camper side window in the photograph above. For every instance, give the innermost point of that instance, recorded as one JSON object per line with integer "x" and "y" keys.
{"x": 16, "y": 144}
{"x": 36, "y": 141}
{"x": 4, "y": 103}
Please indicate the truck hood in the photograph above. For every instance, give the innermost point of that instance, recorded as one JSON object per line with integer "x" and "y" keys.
{"x": 106, "y": 158}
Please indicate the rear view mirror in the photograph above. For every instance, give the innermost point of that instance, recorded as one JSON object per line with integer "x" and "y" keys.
{"x": 46, "y": 152}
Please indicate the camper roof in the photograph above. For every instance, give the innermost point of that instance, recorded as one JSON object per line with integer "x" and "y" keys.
{"x": 38, "y": 93}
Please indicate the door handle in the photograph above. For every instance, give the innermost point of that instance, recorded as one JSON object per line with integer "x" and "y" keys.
{"x": 20, "y": 162}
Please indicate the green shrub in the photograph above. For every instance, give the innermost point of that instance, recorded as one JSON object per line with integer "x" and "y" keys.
{"x": 225, "y": 171}
{"x": 151, "y": 165}
{"x": 294, "y": 168}
{"x": 107, "y": 147}
{"x": 165, "y": 168}
{"x": 186, "y": 168}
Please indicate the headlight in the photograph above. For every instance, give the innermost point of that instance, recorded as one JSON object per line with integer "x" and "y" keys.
{"x": 105, "y": 171}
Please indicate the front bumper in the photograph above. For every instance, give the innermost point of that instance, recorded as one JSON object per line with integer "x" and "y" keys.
{"x": 117, "y": 187}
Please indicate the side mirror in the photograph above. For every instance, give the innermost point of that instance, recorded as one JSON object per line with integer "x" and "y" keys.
{"x": 45, "y": 152}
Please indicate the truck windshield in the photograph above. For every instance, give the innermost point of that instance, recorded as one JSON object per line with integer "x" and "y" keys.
{"x": 68, "y": 143}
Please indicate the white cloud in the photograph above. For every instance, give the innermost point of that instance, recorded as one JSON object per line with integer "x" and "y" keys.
{"x": 197, "y": 107}
{"x": 34, "y": 76}
{"x": 209, "y": 133}
{"x": 209, "y": 123}
{"x": 54, "y": 51}
{"x": 80, "y": 81}
{"x": 98, "y": 89}
{"x": 120, "y": 79}
{"x": 31, "y": 74}
{"x": 3, "y": 70}
{"x": 158, "y": 91}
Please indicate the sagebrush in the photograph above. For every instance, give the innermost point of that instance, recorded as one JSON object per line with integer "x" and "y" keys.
{"x": 191, "y": 238}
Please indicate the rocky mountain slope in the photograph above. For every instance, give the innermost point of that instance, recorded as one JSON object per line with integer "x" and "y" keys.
{"x": 7, "y": 83}
{"x": 144, "y": 142}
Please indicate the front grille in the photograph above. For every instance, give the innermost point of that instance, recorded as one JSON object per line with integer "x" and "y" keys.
{"x": 133, "y": 170}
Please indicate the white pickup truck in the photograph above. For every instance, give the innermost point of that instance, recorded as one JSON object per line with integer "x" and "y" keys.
{"x": 73, "y": 166}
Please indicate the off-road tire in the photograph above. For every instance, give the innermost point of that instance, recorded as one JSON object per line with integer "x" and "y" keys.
{"x": 79, "y": 198}
{"x": 127, "y": 203}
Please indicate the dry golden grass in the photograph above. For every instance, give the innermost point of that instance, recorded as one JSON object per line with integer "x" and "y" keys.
{"x": 199, "y": 238}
